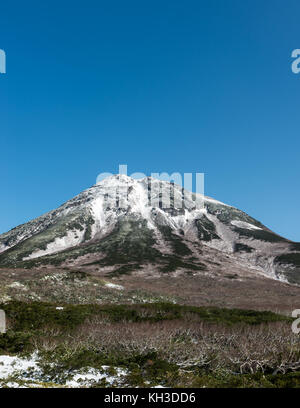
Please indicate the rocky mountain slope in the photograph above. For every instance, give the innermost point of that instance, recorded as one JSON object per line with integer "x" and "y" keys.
{"x": 122, "y": 226}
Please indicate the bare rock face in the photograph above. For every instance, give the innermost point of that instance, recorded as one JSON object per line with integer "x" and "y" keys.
{"x": 129, "y": 226}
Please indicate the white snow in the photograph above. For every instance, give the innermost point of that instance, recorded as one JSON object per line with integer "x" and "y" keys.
{"x": 114, "y": 286}
{"x": 185, "y": 220}
{"x": 212, "y": 200}
{"x": 98, "y": 215}
{"x": 71, "y": 239}
{"x": 243, "y": 224}
{"x": 10, "y": 366}
{"x": 28, "y": 370}
{"x": 17, "y": 285}
{"x": 139, "y": 202}
{"x": 92, "y": 376}
{"x": 3, "y": 248}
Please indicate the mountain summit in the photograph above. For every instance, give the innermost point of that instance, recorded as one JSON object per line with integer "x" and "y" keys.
{"x": 123, "y": 225}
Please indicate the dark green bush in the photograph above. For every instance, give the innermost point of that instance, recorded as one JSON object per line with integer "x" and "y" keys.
{"x": 14, "y": 342}
{"x": 35, "y": 315}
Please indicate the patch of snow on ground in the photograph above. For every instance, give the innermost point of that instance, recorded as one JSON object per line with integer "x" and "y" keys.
{"x": 17, "y": 285}
{"x": 94, "y": 376}
{"x": 114, "y": 286}
{"x": 10, "y": 366}
{"x": 17, "y": 369}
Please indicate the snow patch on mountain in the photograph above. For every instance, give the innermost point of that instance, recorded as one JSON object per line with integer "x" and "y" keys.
{"x": 72, "y": 238}
{"x": 243, "y": 224}
{"x": 138, "y": 200}
{"x": 98, "y": 214}
{"x": 3, "y": 248}
{"x": 212, "y": 200}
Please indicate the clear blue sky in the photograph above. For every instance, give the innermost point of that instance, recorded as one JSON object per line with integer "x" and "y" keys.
{"x": 186, "y": 86}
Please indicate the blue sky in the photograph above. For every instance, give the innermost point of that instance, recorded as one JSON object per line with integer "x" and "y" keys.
{"x": 185, "y": 86}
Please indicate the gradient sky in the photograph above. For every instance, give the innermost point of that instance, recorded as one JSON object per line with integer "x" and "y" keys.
{"x": 174, "y": 86}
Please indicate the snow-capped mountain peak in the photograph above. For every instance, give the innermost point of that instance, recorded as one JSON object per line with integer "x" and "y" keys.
{"x": 129, "y": 222}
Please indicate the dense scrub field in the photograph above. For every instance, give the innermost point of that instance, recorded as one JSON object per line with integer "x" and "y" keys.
{"x": 142, "y": 345}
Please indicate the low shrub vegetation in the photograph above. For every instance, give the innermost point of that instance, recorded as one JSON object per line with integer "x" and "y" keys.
{"x": 160, "y": 343}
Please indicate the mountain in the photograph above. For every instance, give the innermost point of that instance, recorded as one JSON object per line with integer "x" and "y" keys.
{"x": 134, "y": 232}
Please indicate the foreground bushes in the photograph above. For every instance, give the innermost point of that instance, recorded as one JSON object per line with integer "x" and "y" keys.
{"x": 165, "y": 344}
{"x": 176, "y": 353}
{"x": 14, "y": 342}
